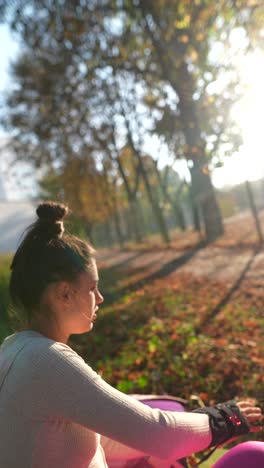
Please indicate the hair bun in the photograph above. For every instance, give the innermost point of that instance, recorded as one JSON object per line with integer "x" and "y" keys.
{"x": 50, "y": 222}
{"x": 50, "y": 212}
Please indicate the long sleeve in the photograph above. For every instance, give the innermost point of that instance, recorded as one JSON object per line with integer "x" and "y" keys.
{"x": 59, "y": 384}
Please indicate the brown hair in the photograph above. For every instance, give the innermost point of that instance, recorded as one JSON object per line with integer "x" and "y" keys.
{"x": 46, "y": 255}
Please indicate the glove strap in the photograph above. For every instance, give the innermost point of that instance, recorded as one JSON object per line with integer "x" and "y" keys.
{"x": 226, "y": 421}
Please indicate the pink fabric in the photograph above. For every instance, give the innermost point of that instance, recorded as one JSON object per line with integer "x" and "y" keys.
{"x": 246, "y": 455}
{"x": 164, "y": 405}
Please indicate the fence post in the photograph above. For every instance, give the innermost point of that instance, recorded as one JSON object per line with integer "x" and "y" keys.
{"x": 254, "y": 210}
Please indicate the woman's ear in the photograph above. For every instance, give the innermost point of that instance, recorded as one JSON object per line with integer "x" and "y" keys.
{"x": 64, "y": 291}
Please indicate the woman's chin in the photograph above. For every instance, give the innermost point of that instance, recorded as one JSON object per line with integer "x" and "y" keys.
{"x": 83, "y": 328}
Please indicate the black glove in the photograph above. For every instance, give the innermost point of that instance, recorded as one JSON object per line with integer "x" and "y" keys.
{"x": 226, "y": 421}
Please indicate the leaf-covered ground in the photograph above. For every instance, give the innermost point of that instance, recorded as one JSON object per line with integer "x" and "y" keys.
{"x": 183, "y": 319}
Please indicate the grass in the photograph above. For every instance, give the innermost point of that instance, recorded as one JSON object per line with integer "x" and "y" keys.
{"x": 213, "y": 459}
{"x": 4, "y": 296}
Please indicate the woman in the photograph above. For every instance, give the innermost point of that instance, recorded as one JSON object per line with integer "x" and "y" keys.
{"x": 55, "y": 410}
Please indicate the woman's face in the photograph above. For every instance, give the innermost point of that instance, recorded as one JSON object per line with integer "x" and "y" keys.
{"x": 85, "y": 299}
{"x": 73, "y": 307}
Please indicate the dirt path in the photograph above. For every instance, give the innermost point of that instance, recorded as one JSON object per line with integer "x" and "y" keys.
{"x": 223, "y": 259}
{"x": 235, "y": 260}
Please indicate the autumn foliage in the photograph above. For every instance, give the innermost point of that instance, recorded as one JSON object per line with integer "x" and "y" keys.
{"x": 198, "y": 330}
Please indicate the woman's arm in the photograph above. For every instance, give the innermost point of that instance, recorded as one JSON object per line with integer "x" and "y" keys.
{"x": 61, "y": 384}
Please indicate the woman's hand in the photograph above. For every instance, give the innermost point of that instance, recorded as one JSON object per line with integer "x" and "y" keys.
{"x": 252, "y": 413}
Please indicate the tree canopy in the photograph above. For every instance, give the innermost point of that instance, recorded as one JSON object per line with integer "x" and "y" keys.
{"x": 96, "y": 77}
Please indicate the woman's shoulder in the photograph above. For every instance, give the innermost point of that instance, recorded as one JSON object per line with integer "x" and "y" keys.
{"x": 41, "y": 342}
{"x": 43, "y": 356}
{"x": 33, "y": 345}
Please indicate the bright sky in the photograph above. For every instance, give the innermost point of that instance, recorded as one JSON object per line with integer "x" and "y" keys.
{"x": 9, "y": 49}
{"x": 15, "y": 184}
{"x": 247, "y": 164}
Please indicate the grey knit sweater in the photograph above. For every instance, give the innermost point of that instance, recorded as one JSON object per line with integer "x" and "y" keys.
{"x": 56, "y": 412}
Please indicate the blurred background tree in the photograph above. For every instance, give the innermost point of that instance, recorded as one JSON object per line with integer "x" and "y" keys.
{"x": 97, "y": 81}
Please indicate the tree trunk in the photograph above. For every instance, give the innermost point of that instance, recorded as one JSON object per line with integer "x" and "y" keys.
{"x": 89, "y": 231}
{"x": 194, "y": 210}
{"x": 205, "y": 200}
{"x": 154, "y": 203}
{"x": 254, "y": 211}
{"x": 118, "y": 230}
{"x": 152, "y": 198}
{"x": 132, "y": 222}
{"x": 176, "y": 208}
{"x": 131, "y": 198}
{"x": 129, "y": 225}
{"x": 179, "y": 215}
{"x": 108, "y": 235}
{"x": 203, "y": 190}
{"x": 182, "y": 81}
{"x": 134, "y": 212}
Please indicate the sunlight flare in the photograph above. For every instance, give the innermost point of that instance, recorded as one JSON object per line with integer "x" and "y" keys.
{"x": 248, "y": 163}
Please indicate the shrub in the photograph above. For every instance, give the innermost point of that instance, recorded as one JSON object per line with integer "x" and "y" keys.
{"x": 5, "y": 328}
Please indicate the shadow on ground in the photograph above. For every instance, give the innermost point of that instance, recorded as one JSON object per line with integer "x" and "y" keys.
{"x": 116, "y": 272}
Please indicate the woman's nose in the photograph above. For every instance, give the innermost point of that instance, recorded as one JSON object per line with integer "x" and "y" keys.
{"x": 99, "y": 297}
